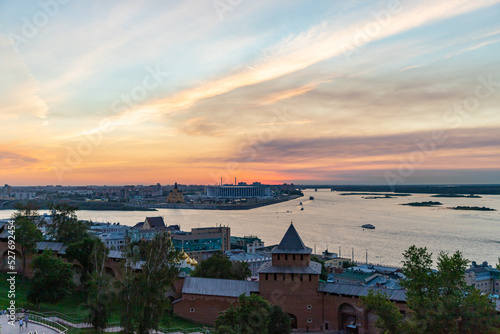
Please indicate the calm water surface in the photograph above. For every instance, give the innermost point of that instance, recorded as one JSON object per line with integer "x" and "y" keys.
{"x": 333, "y": 221}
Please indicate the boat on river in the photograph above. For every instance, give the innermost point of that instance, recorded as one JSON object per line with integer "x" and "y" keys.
{"x": 368, "y": 226}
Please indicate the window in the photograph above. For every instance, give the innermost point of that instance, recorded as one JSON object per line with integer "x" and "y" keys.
{"x": 278, "y": 257}
{"x": 301, "y": 257}
{"x": 301, "y": 278}
{"x": 294, "y": 257}
{"x": 309, "y": 277}
{"x": 292, "y": 277}
{"x": 275, "y": 276}
{"x": 267, "y": 277}
{"x": 309, "y": 320}
{"x": 192, "y": 310}
{"x": 309, "y": 307}
{"x": 283, "y": 277}
{"x": 286, "y": 257}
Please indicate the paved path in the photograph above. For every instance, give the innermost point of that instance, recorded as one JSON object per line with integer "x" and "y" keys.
{"x": 32, "y": 327}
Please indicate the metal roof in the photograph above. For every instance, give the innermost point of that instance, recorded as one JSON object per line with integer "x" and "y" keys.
{"x": 115, "y": 254}
{"x": 52, "y": 245}
{"x": 156, "y": 222}
{"x": 218, "y": 287}
{"x": 5, "y": 234}
{"x": 355, "y": 290}
{"x": 268, "y": 268}
{"x": 291, "y": 243}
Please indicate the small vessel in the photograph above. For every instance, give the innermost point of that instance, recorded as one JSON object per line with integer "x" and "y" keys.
{"x": 301, "y": 209}
{"x": 311, "y": 198}
{"x": 368, "y": 226}
{"x": 300, "y": 203}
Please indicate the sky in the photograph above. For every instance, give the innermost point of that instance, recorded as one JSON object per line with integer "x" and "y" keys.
{"x": 335, "y": 92}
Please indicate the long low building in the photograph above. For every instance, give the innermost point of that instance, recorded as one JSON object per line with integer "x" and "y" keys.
{"x": 240, "y": 191}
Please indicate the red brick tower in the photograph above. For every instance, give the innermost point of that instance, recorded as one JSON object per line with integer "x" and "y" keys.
{"x": 291, "y": 281}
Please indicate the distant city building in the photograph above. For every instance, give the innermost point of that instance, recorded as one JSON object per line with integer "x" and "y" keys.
{"x": 200, "y": 240}
{"x": 246, "y": 242}
{"x": 336, "y": 263}
{"x": 483, "y": 277}
{"x": 241, "y": 191}
{"x": 5, "y": 191}
{"x": 254, "y": 261}
{"x": 175, "y": 195}
{"x": 154, "y": 223}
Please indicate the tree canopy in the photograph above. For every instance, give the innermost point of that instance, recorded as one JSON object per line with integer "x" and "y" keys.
{"x": 89, "y": 252}
{"x": 324, "y": 273}
{"x": 219, "y": 266}
{"x": 65, "y": 226}
{"x": 144, "y": 294}
{"x": 100, "y": 291}
{"x": 253, "y": 315}
{"x": 27, "y": 234}
{"x": 53, "y": 279}
{"x": 440, "y": 301}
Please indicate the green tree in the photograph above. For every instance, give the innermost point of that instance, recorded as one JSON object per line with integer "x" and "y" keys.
{"x": 253, "y": 315}
{"x": 53, "y": 279}
{"x": 279, "y": 321}
{"x": 144, "y": 294}
{"x": 101, "y": 293}
{"x": 27, "y": 234}
{"x": 89, "y": 252}
{"x": 241, "y": 271}
{"x": 440, "y": 301}
{"x": 65, "y": 226}
{"x": 324, "y": 273}
{"x": 348, "y": 264}
{"x": 389, "y": 320}
{"x": 219, "y": 266}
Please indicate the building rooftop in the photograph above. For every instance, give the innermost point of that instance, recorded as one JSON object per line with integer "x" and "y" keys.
{"x": 218, "y": 287}
{"x": 156, "y": 222}
{"x": 313, "y": 268}
{"x": 355, "y": 290}
{"x": 246, "y": 257}
{"x": 57, "y": 247}
{"x": 291, "y": 243}
{"x": 115, "y": 254}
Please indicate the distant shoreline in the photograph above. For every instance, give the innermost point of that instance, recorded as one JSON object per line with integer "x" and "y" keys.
{"x": 442, "y": 190}
{"x": 246, "y": 206}
{"x": 111, "y": 206}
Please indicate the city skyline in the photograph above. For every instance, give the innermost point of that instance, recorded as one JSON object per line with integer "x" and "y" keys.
{"x": 379, "y": 92}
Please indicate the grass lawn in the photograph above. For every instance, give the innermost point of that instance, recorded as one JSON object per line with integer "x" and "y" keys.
{"x": 71, "y": 306}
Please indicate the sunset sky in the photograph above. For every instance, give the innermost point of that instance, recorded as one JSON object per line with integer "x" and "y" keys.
{"x": 337, "y": 92}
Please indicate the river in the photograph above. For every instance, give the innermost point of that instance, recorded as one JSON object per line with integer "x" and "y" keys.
{"x": 333, "y": 221}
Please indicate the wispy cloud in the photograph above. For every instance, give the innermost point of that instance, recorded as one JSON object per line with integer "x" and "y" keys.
{"x": 18, "y": 88}
{"x": 473, "y": 47}
{"x": 410, "y": 67}
{"x": 295, "y": 53}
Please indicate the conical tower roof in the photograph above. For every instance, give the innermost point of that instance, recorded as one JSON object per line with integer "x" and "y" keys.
{"x": 291, "y": 243}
